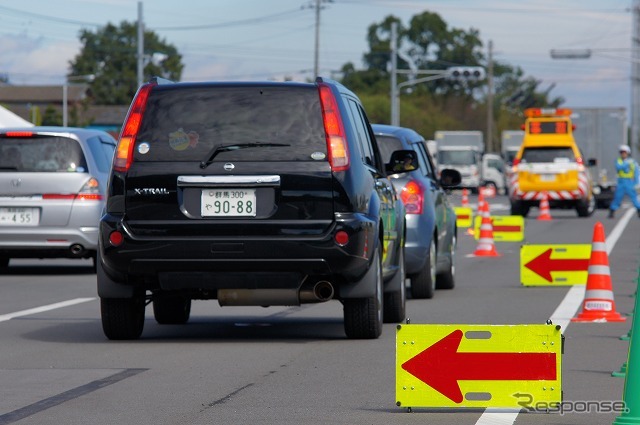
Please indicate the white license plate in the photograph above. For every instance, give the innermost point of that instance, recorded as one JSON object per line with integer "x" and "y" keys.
{"x": 228, "y": 203}
{"x": 19, "y": 216}
{"x": 547, "y": 177}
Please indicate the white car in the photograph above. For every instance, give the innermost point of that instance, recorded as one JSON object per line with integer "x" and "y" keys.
{"x": 53, "y": 183}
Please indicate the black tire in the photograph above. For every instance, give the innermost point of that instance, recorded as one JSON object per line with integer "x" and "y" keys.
{"x": 518, "y": 208}
{"x": 395, "y": 303}
{"x": 447, "y": 280}
{"x": 122, "y": 318}
{"x": 363, "y": 316}
{"x": 171, "y": 310}
{"x": 586, "y": 208}
{"x": 423, "y": 283}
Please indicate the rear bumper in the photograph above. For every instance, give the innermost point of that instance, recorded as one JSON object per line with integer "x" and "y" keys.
{"x": 48, "y": 242}
{"x": 208, "y": 264}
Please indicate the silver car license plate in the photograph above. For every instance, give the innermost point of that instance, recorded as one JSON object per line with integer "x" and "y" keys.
{"x": 19, "y": 216}
{"x": 240, "y": 202}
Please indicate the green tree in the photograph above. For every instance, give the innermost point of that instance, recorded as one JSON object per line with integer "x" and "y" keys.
{"x": 51, "y": 116}
{"x": 441, "y": 104}
{"x": 110, "y": 54}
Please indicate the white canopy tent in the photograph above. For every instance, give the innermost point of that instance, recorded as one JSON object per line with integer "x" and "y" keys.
{"x": 9, "y": 119}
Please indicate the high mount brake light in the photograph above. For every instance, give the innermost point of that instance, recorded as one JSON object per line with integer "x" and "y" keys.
{"x": 19, "y": 134}
{"x": 336, "y": 140}
{"x": 124, "y": 151}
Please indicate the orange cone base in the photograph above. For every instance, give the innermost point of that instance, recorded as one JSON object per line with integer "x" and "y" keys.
{"x": 599, "y": 316}
{"x": 486, "y": 252}
{"x": 545, "y": 217}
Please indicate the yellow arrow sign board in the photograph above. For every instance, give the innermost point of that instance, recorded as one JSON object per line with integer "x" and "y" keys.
{"x": 506, "y": 366}
{"x": 506, "y": 228}
{"x": 554, "y": 265}
{"x": 464, "y": 216}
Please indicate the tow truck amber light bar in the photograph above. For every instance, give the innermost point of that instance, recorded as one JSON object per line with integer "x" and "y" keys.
{"x": 547, "y": 112}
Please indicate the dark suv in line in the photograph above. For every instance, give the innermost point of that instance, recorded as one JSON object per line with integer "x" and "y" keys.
{"x": 251, "y": 193}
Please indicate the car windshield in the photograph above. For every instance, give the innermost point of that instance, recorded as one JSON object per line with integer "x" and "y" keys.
{"x": 548, "y": 154}
{"x": 456, "y": 157}
{"x": 41, "y": 154}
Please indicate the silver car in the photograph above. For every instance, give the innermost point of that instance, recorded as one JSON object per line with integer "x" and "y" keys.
{"x": 52, "y": 191}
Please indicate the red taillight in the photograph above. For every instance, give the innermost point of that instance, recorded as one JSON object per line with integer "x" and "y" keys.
{"x": 412, "y": 197}
{"x": 116, "y": 238}
{"x": 19, "y": 134}
{"x": 336, "y": 140}
{"x": 90, "y": 191}
{"x": 579, "y": 161}
{"x": 124, "y": 151}
{"x": 516, "y": 161}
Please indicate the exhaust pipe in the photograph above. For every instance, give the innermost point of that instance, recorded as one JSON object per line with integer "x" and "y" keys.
{"x": 77, "y": 250}
{"x": 319, "y": 292}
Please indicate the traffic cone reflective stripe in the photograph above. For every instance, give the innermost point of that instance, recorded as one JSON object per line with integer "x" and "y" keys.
{"x": 598, "y": 304}
{"x": 465, "y": 198}
{"x": 545, "y": 213}
{"x": 486, "y": 247}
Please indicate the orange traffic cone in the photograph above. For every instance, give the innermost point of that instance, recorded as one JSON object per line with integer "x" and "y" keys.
{"x": 465, "y": 197}
{"x": 598, "y": 304}
{"x": 544, "y": 208}
{"x": 486, "y": 247}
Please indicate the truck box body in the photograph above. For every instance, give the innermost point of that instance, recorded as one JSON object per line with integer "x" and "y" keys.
{"x": 599, "y": 132}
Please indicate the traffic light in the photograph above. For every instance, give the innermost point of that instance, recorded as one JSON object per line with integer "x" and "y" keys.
{"x": 465, "y": 73}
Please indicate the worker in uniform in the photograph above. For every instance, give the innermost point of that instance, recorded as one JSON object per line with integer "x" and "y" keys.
{"x": 627, "y": 169}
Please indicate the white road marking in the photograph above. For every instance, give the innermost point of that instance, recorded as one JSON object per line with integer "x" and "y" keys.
{"x": 562, "y": 316}
{"x": 43, "y": 308}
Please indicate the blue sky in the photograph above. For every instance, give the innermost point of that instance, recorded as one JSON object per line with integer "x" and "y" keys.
{"x": 270, "y": 39}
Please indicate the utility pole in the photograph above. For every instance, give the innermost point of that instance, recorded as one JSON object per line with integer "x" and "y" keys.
{"x": 395, "y": 116}
{"x": 316, "y": 58}
{"x": 140, "y": 44}
{"x": 490, "y": 144}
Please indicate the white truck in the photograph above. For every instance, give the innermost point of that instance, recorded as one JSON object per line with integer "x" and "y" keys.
{"x": 598, "y": 133}
{"x": 511, "y": 141}
{"x": 462, "y": 151}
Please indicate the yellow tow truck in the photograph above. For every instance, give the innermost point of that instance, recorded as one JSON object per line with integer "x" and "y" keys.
{"x": 549, "y": 161}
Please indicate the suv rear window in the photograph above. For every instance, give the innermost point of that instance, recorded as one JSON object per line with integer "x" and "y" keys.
{"x": 41, "y": 154}
{"x": 553, "y": 154}
{"x": 187, "y": 124}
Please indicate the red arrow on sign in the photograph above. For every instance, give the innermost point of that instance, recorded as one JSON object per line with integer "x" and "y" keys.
{"x": 543, "y": 265}
{"x": 505, "y": 228}
{"x": 441, "y": 366}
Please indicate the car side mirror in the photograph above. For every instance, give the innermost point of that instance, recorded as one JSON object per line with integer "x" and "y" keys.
{"x": 450, "y": 178}
{"x": 402, "y": 161}
{"x": 592, "y": 162}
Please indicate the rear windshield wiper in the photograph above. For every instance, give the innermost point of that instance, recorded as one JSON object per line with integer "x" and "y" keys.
{"x": 234, "y": 147}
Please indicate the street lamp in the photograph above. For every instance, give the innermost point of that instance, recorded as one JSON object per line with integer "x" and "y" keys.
{"x": 65, "y": 90}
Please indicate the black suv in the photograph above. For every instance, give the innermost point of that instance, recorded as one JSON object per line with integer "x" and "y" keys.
{"x": 252, "y": 194}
